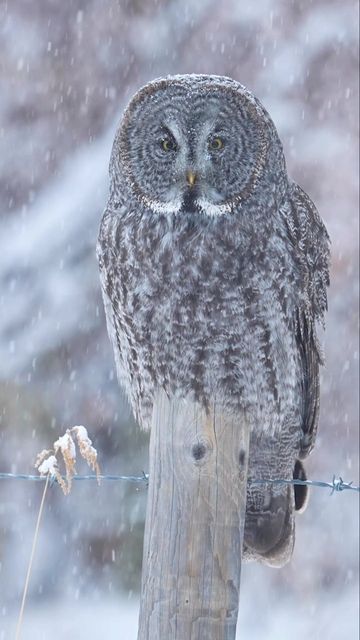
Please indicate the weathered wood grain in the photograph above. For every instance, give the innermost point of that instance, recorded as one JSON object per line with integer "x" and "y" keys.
{"x": 194, "y": 523}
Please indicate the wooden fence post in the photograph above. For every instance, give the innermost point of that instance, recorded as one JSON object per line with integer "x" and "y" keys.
{"x": 194, "y": 523}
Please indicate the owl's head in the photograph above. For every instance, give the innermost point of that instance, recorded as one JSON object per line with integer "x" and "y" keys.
{"x": 196, "y": 144}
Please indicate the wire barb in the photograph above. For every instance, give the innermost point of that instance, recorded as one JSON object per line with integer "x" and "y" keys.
{"x": 337, "y": 485}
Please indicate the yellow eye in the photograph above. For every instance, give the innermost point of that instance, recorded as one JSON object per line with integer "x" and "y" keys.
{"x": 167, "y": 144}
{"x": 216, "y": 143}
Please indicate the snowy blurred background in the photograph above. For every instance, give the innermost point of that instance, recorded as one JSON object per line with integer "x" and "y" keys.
{"x": 67, "y": 70}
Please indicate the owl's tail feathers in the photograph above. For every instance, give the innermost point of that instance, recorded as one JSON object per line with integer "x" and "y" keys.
{"x": 270, "y": 520}
{"x": 269, "y": 525}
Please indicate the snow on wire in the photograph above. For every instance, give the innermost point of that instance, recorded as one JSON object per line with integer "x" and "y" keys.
{"x": 337, "y": 484}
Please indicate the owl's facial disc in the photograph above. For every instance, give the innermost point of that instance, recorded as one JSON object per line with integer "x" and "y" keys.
{"x": 192, "y": 151}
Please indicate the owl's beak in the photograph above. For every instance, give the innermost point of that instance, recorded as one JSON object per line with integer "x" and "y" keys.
{"x": 190, "y": 178}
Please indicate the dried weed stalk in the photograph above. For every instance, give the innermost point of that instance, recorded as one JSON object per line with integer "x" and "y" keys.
{"x": 47, "y": 461}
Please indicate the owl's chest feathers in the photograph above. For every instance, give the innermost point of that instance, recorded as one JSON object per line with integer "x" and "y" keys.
{"x": 183, "y": 288}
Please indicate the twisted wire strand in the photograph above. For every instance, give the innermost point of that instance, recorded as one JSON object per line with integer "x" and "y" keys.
{"x": 337, "y": 485}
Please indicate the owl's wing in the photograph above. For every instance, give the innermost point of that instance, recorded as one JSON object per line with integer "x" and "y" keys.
{"x": 108, "y": 261}
{"x": 311, "y": 242}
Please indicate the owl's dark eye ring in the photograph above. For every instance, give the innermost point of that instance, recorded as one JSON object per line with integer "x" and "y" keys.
{"x": 216, "y": 143}
{"x": 168, "y": 144}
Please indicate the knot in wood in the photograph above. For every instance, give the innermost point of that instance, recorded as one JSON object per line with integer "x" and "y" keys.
{"x": 201, "y": 450}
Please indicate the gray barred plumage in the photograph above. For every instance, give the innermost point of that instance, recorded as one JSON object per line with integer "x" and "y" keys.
{"x": 214, "y": 267}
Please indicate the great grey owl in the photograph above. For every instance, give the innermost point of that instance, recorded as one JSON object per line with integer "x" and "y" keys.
{"x": 214, "y": 266}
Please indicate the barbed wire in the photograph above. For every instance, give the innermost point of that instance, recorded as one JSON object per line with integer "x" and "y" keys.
{"x": 337, "y": 485}
{"x": 22, "y": 476}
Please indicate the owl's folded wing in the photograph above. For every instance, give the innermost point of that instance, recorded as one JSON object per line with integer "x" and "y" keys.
{"x": 310, "y": 356}
{"x": 311, "y": 242}
{"x": 107, "y": 262}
